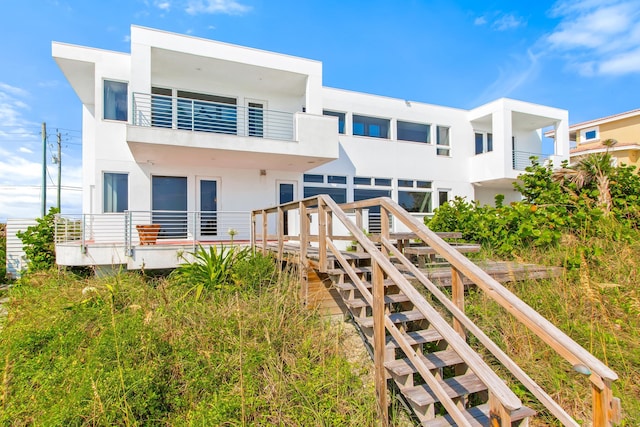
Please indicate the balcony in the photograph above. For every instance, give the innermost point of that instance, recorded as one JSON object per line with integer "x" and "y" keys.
{"x": 186, "y": 132}
{"x": 145, "y": 239}
{"x": 522, "y": 159}
{"x": 204, "y": 116}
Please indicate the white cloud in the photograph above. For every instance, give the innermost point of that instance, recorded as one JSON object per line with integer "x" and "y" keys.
{"x": 507, "y": 22}
{"x": 480, "y": 20}
{"x": 25, "y": 150}
{"x": 598, "y": 37}
{"x": 227, "y": 7}
{"x": 163, "y": 5}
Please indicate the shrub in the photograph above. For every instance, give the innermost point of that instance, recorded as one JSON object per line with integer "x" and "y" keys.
{"x": 38, "y": 243}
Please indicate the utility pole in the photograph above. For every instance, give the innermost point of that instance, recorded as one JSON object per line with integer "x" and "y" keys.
{"x": 59, "y": 161}
{"x": 44, "y": 169}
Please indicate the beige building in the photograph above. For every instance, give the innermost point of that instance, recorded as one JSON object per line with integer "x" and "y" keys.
{"x": 623, "y": 129}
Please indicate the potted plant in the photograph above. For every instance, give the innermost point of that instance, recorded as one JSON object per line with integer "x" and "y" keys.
{"x": 148, "y": 233}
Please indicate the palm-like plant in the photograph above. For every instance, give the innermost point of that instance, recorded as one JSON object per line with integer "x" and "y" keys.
{"x": 593, "y": 169}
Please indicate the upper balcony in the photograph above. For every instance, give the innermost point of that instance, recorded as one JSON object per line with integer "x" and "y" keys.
{"x": 195, "y": 130}
{"x": 507, "y": 133}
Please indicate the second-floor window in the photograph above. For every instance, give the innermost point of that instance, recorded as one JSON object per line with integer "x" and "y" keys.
{"x": 415, "y": 132}
{"x": 370, "y": 126}
{"x": 115, "y": 100}
{"x": 443, "y": 144}
{"x": 484, "y": 142}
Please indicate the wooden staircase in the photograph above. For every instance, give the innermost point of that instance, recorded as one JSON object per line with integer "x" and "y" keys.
{"x": 460, "y": 383}
{"x": 421, "y": 350}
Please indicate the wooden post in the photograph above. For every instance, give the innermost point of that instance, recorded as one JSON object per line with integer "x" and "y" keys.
{"x": 253, "y": 231}
{"x": 384, "y": 228}
{"x": 379, "y": 343}
{"x": 457, "y": 297}
{"x": 264, "y": 232}
{"x": 304, "y": 233}
{"x": 280, "y": 227}
{"x": 498, "y": 414}
{"x": 606, "y": 410}
{"x": 322, "y": 235}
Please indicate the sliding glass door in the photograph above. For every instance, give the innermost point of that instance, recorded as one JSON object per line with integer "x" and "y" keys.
{"x": 169, "y": 205}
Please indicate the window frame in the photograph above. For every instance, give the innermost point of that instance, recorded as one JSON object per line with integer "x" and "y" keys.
{"x": 368, "y": 128}
{"x": 405, "y": 122}
{"x": 116, "y": 101}
{"x": 111, "y": 210}
{"x": 584, "y": 132}
{"x": 417, "y": 186}
{"x": 443, "y": 149}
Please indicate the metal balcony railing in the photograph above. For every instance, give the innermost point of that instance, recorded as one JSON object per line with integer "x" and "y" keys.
{"x": 522, "y": 159}
{"x": 128, "y": 228}
{"x": 203, "y": 116}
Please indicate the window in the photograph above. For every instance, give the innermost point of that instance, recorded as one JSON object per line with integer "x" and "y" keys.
{"x": 115, "y": 100}
{"x": 442, "y": 141}
{"x": 359, "y": 180}
{"x": 340, "y": 117}
{"x": 313, "y": 178}
{"x": 339, "y": 195}
{"x": 370, "y": 126}
{"x": 382, "y": 182}
{"x": 479, "y": 143}
{"x": 415, "y": 201}
{"x": 207, "y": 113}
{"x": 334, "y": 185}
{"x": 415, "y": 132}
{"x": 589, "y": 134}
{"x": 116, "y": 192}
{"x": 443, "y": 197}
{"x": 336, "y": 179}
{"x": 484, "y": 142}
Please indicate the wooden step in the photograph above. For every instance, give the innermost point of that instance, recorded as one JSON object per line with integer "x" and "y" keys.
{"x": 478, "y": 416}
{"x": 435, "y": 360}
{"x": 424, "y": 336}
{"x": 339, "y": 271}
{"x": 401, "y": 317}
{"x": 388, "y": 299}
{"x": 462, "y": 385}
{"x": 348, "y": 286}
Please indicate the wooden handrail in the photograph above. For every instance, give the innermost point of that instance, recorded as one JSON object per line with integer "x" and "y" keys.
{"x": 495, "y": 385}
{"x": 493, "y": 348}
{"x": 544, "y": 329}
{"x": 605, "y": 407}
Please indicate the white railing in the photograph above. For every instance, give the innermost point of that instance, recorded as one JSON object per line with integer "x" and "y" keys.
{"x": 204, "y": 116}
{"x": 128, "y": 228}
{"x": 522, "y": 159}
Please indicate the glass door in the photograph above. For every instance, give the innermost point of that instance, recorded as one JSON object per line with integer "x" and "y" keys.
{"x": 169, "y": 206}
{"x": 208, "y": 207}
{"x": 255, "y": 119}
{"x": 286, "y": 194}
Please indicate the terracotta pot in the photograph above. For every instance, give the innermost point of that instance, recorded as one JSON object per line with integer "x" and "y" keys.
{"x": 148, "y": 233}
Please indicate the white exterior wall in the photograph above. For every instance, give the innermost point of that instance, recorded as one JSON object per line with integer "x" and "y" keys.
{"x": 284, "y": 83}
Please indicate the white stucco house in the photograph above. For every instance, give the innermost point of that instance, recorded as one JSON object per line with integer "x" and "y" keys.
{"x": 192, "y": 134}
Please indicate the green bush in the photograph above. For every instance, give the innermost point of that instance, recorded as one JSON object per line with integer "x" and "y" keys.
{"x": 555, "y": 203}
{"x": 3, "y": 251}
{"x": 38, "y": 243}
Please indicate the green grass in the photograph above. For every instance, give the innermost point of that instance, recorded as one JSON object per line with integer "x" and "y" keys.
{"x": 134, "y": 351}
{"x": 596, "y": 303}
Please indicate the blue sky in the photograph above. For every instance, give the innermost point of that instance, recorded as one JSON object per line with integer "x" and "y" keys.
{"x": 583, "y": 56}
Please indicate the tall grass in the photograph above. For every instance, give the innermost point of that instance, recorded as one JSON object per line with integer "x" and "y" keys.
{"x": 129, "y": 351}
{"x": 596, "y": 302}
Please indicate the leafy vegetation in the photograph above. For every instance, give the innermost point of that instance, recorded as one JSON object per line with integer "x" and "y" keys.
{"x": 566, "y": 202}
{"x": 128, "y": 350}
{"x": 38, "y": 243}
{"x": 585, "y": 218}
